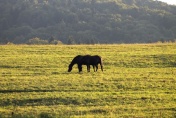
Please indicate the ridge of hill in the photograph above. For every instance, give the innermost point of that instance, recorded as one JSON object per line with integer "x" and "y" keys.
{"x": 87, "y": 21}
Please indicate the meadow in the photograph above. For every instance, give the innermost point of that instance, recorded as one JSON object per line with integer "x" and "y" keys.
{"x": 139, "y": 80}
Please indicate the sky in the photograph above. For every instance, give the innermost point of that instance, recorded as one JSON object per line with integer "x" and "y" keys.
{"x": 172, "y": 2}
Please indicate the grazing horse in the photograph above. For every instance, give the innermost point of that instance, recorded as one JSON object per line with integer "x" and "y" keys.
{"x": 86, "y": 60}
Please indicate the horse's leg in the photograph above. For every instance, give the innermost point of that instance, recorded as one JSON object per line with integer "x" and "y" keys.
{"x": 80, "y": 68}
{"x": 93, "y": 67}
{"x": 88, "y": 68}
{"x": 101, "y": 66}
{"x": 96, "y": 67}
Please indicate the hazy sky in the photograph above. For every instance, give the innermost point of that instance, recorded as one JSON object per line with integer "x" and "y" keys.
{"x": 169, "y": 1}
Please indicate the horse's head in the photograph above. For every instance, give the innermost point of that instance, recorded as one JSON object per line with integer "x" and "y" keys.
{"x": 74, "y": 61}
{"x": 70, "y": 68}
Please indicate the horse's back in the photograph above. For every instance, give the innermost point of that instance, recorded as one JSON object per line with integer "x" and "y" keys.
{"x": 83, "y": 59}
{"x": 88, "y": 59}
{"x": 97, "y": 57}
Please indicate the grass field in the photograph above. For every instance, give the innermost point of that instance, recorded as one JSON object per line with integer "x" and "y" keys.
{"x": 139, "y": 80}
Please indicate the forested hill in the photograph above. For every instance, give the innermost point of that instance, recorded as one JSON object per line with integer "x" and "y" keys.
{"x": 87, "y": 21}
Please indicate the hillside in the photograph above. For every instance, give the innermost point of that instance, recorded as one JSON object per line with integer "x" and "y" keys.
{"x": 87, "y": 21}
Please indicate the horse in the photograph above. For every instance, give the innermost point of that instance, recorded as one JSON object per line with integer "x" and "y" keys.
{"x": 86, "y": 60}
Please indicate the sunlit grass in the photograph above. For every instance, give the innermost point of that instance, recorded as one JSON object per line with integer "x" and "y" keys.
{"x": 138, "y": 81}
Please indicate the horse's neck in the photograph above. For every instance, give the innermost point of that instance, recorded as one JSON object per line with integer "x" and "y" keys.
{"x": 72, "y": 63}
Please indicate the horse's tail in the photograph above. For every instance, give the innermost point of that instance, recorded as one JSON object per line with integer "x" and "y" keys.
{"x": 101, "y": 64}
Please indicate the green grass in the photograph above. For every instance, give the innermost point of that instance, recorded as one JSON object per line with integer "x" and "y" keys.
{"x": 139, "y": 80}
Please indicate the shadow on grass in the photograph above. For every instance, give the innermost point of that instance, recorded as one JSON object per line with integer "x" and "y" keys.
{"x": 19, "y": 91}
{"x": 7, "y": 66}
{"x": 42, "y": 101}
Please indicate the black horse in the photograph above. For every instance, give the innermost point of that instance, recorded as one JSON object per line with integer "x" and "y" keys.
{"x": 86, "y": 60}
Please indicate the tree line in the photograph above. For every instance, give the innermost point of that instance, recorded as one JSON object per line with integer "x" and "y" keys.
{"x": 86, "y": 21}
